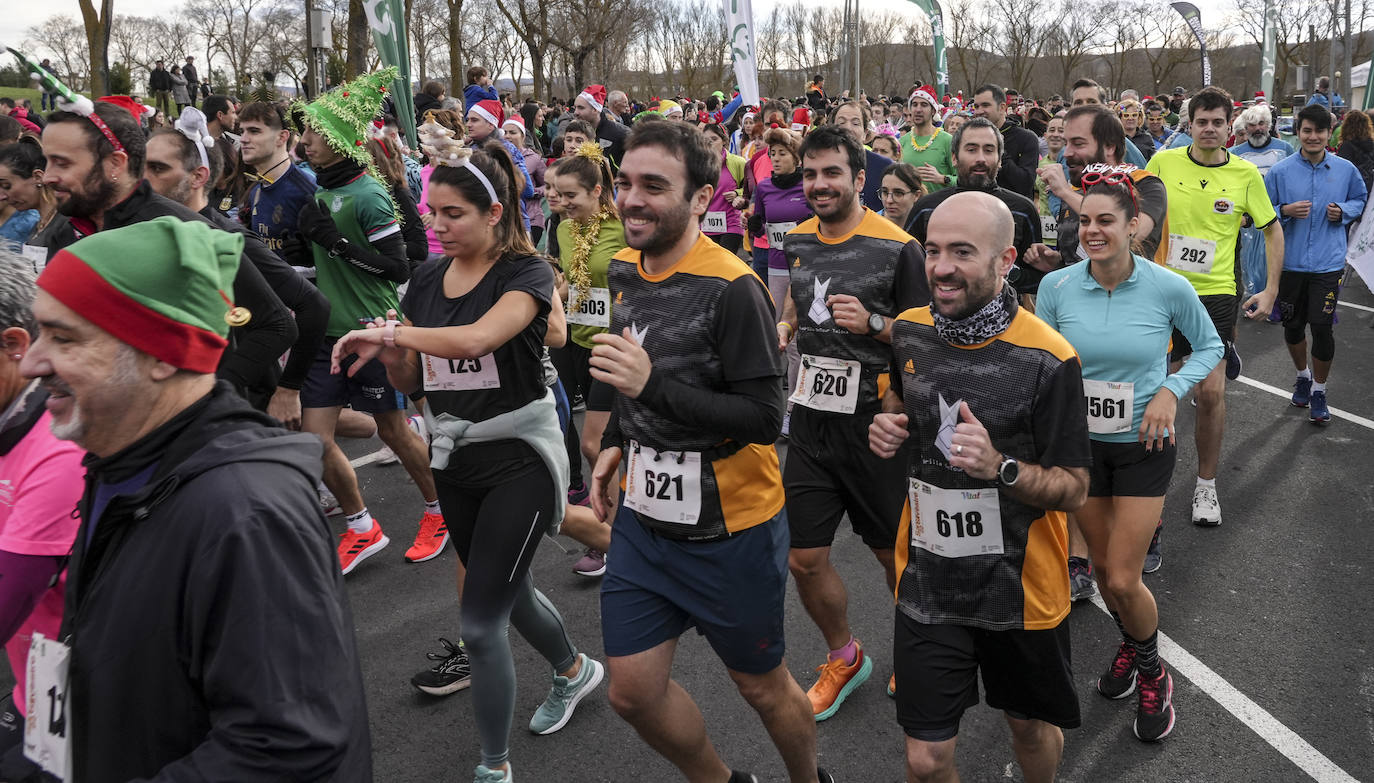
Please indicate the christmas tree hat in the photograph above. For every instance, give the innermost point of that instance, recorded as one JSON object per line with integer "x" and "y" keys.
{"x": 67, "y": 100}
{"x": 343, "y": 116}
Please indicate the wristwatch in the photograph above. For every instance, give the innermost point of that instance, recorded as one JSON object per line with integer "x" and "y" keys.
{"x": 946, "y": 180}
{"x": 876, "y": 323}
{"x": 1008, "y": 471}
{"x": 337, "y": 249}
{"x": 389, "y": 333}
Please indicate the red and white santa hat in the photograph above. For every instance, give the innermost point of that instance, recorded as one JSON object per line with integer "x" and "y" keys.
{"x": 595, "y": 95}
{"x": 1259, "y": 96}
{"x": 139, "y": 110}
{"x": 490, "y": 111}
{"x": 516, "y": 120}
{"x": 925, "y": 93}
{"x": 801, "y": 119}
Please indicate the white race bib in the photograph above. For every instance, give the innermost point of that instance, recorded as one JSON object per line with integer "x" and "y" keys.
{"x": 47, "y": 732}
{"x": 38, "y": 256}
{"x": 826, "y": 384}
{"x": 776, "y": 233}
{"x": 713, "y": 223}
{"x": 1111, "y": 406}
{"x": 666, "y": 486}
{"x": 595, "y": 310}
{"x": 1190, "y": 254}
{"x": 955, "y": 522}
{"x": 1049, "y": 230}
{"x": 477, "y": 374}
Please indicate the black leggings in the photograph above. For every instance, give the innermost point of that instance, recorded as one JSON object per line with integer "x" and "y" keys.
{"x": 731, "y": 242}
{"x": 497, "y": 502}
{"x": 573, "y": 363}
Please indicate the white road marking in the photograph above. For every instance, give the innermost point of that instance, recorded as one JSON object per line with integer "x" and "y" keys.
{"x": 1288, "y": 395}
{"x": 1256, "y": 718}
{"x": 381, "y": 454}
{"x": 1365, "y": 308}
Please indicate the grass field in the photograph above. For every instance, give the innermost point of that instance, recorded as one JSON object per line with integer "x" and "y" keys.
{"x": 19, "y": 93}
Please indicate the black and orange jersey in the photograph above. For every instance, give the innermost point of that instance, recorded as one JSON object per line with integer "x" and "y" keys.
{"x": 1025, "y": 386}
{"x": 877, "y": 263}
{"x": 707, "y": 322}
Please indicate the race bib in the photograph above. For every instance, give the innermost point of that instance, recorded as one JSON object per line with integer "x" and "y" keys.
{"x": 1111, "y": 406}
{"x": 1190, "y": 254}
{"x": 776, "y": 233}
{"x": 47, "y": 734}
{"x": 38, "y": 256}
{"x": 713, "y": 223}
{"x": 460, "y": 374}
{"x": 664, "y": 486}
{"x": 826, "y": 384}
{"x": 955, "y": 522}
{"x": 595, "y": 310}
{"x": 1049, "y": 230}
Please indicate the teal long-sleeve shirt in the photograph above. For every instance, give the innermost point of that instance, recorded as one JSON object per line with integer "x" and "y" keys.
{"x": 1122, "y": 336}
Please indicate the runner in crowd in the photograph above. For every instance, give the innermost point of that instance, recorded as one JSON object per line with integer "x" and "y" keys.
{"x": 695, "y": 419}
{"x": 473, "y": 340}
{"x": 1154, "y": 125}
{"x": 723, "y": 222}
{"x": 590, "y": 107}
{"x": 1264, "y": 150}
{"x": 902, "y": 188}
{"x": 852, "y": 273}
{"x": 992, "y": 402}
{"x": 38, "y": 475}
{"x": 484, "y": 121}
{"x": 279, "y": 189}
{"x": 514, "y": 130}
{"x": 885, "y": 144}
{"x": 1054, "y": 148}
{"x": 1132, "y": 116}
{"x": 182, "y": 474}
{"x": 1210, "y": 193}
{"x": 21, "y": 179}
{"x": 1118, "y": 310}
{"x": 590, "y": 235}
{"x": 1317, "y": 195}
{"x": 359, "y": 256}
{"x": 853, "y": 117}
{"x": 1020, "y": 149}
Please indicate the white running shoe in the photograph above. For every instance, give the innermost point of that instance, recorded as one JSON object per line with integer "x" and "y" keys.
{"x": 1206, "y": 507}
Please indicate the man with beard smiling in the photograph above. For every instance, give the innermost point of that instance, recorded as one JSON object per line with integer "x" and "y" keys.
{"x": 851, "y": 272}
{"x": 992, "y": 400}
{"x": 700, "y": 537}
{"x": 977, "y": 155}
{"x": 1020, "y": 148}
{"x": 202, "y": 565}
{"x": 96, "y": 171}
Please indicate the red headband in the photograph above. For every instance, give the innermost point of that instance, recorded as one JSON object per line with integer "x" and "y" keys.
{"x": 105, "y": 129}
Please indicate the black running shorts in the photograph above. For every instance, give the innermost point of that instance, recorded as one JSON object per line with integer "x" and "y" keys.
{"x": 1027, "y": 674}
{"x": 1309, "y": 297}
{"x": 1224, "y": 309}
{"x": 1128, "y": 470}
{"x": 830, "y": 471}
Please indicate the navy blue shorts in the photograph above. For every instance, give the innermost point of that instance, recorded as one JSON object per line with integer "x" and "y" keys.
{"x": 732, "y": 590}
{"x": 367, "y": 392}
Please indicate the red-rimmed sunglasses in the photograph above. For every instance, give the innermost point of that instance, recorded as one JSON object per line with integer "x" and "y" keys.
{"x": 1113, "y": 178}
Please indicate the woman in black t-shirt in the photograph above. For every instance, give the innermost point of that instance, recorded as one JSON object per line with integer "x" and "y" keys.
{"x": 473, "y": 340}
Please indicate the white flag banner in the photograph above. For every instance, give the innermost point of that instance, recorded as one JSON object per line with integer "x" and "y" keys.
{"x": 739, "y": 23}
{"x": 1360, "y": 252}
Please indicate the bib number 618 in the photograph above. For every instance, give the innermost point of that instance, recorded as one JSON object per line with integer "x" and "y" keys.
{"x": 959, "y": 524}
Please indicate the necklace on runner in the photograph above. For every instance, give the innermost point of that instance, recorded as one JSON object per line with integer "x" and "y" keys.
{"x": 926, "y": 146}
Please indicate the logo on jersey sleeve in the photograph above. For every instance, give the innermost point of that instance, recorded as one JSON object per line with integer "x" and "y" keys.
{"x": 909, "y": 368}
{"x": 619, "y": 297}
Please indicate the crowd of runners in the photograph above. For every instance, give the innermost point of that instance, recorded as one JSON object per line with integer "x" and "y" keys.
{"x": 971, "y": 321}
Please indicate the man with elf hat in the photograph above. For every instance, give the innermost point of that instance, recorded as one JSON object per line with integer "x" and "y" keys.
{"x": 590, "y": 107}
{"x": 203, "y": 565}
{"x": 359, "y": 257}
{"x": 925, "y": 146}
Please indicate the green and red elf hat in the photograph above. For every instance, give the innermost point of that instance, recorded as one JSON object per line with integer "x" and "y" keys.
{"x": 162, "y": 286}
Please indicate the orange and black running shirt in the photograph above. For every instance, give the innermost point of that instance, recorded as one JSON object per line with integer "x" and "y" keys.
{"x": 706, "y": 323}
{"x": 968, "y": 553}
{"x": 877, "y": 263}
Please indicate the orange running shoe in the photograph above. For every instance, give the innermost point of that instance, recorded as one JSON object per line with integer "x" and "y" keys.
{"x": 836, "y": 682}
{"x": 354, "y": 548}
{"x": 430, "y": 541}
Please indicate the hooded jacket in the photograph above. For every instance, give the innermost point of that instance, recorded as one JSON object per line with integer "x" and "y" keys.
{"x": 211, "y": 636}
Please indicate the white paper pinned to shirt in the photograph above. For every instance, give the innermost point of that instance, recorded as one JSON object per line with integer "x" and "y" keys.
{"x": 819, "y": 313}
{"x": 949, "y": 419}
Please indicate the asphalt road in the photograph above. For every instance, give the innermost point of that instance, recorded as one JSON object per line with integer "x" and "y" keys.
{"x": 1274, "y": 607}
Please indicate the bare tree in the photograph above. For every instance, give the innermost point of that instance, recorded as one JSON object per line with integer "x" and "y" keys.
{"x": 235, "y": 29}
{"x": 65, "y": 39}
{"x": 97, "y": 27}
{"x": 532, "y": 22}
{"x": 970, "y": 35}
{"x": 1072, "y": 41}
{"x": 1026, "y": 33}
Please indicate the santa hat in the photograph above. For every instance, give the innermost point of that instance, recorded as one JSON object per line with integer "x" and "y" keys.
{"x": 516, "y": 120}
{"x": 490, "y": 111}
{"x": 174, "y": 304}
{"x": 127, "y": 103}
{"x": 192, "y": 125}
{"x": 924, "y": 93}
{"x": 595, "y": 95}
{"x": 1259, "y": 96}
{"x": 801, "y": 119}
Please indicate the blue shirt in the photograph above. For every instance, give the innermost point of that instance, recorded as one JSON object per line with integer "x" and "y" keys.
{"x": 1313, "y": 243}
{"x": 1123, "y": 335}
{"x": 273, "y": 206}
{"x": 18, "y": 228}
{"x": 1264, "y": 157}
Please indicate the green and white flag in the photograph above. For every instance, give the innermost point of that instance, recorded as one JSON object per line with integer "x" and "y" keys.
{"x": 387, "y": 20}
{"x": 1271, "y": 18}
{"x": 739, "y": 21}
{"x": 937, "y": 39}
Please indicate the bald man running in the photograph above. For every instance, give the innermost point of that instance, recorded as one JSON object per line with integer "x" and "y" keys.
{"x": 994, "y": 398}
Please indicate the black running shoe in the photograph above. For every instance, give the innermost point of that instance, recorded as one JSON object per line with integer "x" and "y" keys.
{"x": 1154, "y": 718}
{"x": 823, "y": 776}
{"x": 1081, "y": 584}
{"x": 451, "y": 674}
{"x": 1153, "y": 557}
{"x": 742, "y": 777}
{"x": 1233, "y": 363}
{"x": 1119, "y": 681}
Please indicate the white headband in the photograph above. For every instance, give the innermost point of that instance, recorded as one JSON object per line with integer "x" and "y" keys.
{"x": 486, "y": 183}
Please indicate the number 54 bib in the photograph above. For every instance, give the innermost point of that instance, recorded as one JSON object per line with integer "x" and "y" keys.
{"x": 955, "y": 522}
{"x": 664, "y": 486}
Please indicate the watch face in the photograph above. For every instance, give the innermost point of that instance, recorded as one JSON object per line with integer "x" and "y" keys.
{"x": 875, "y": 322}
{"x": 1009, "y": 471}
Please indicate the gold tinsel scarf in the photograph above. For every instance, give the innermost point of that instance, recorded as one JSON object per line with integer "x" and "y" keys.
{"x": 584, "y": 234}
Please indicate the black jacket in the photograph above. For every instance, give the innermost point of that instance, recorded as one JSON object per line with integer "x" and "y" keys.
{"x": 1020, "y": 158}
{"x": 1025, "y": 218}
{"x": 423, "y": 103}
{"x": 250, "y": 363}
{"x": 211, "y": 633}
{"x": 1144, "y": 142}
{"x": 160, "y": 79}
{"x": 1361, "y": 153}
{"x": 189, "y": 71}
{"x": 611, "y": 136}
